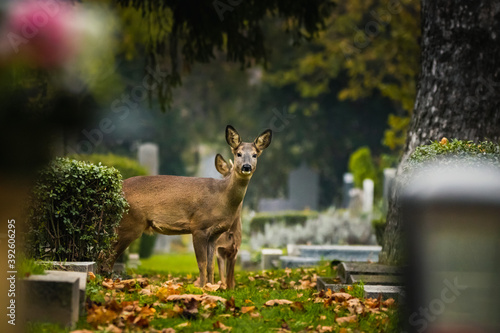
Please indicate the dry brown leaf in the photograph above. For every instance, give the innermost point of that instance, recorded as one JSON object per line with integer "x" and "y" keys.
{"x": 91, "y": 276}
{"x": 288, "y": 271}
{"x": 113, "y": 329}
{"x": 247, "y": 309}
{"x": 343, "y": 330}
{"x": 255, "y": 314}
{"x": 247, "y": 301}
{"x": 341, "y": 297}
{"x": 322, "y": 329}
{"x": 388, "y": 302}
{"x": 348, "y": 319}
{"x": 219, "y": 325}
{"x": 322, "y": 317}
{"x": 251, "y": 278}
{"x": 297, "y": 306}
{"x": 274, "y": 302}
{"x": 211, "y": 287}
{"x": 100, "y": 315}
{"x": 168, "y": 330}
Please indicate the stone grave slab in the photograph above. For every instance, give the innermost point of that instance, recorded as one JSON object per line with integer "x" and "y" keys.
{"x": 325, "y": 283}
{"x": 82, "y": 286}
{"x": 295, "y": 262}
{"x": 74, "y": 266}
{"x": 341, "y": 252}
{"x": 270, "y": 257}
{"x": 345, "y": 269}
{"x": 386, "y": 292}
{"x": 383, "y": 280}
{"x": 371, "y": 291}
{"x": 52, "y": 298}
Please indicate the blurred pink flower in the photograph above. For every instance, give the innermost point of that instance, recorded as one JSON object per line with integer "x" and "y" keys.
{"x": 41, "y": 32}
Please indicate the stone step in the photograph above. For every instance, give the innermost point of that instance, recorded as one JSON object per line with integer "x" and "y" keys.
{"x": 51, "y": 298}
{"x": 382, "y": 280}
{"x": 371, "y": 291}
{"x": 74, "y": 266}
{"x": 395, "y": 292}
{"x": 345, "y": 269}
{"x": 341, "y": 252}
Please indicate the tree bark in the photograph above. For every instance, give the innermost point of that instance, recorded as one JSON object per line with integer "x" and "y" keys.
{"x": 459, "y": 87}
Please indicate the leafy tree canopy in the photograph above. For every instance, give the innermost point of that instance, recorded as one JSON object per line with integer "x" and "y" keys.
{"x": 181, "y": 33}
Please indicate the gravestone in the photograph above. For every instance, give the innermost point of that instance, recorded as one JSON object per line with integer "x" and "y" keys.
{"x": 452, "y": 223}
{"x": 355, "y": 202}
{"x": 368, "y": 188}
{"x": 303, "y": 188}
{"x": 346, "y": 189}
{"x": 148, "y": 156}
{"x": 389, "y": 177}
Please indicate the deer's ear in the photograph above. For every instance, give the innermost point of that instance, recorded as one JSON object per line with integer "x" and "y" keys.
{"x": 264, "y": 140}
{"x": 221, "y": 165}
{"x": 232, "y": 137}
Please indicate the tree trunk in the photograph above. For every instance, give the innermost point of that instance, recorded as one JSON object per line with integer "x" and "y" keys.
{"x": 459, "y": 89}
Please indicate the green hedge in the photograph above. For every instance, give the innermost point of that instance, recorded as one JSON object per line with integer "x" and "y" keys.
{"x": 289, "y": 218}
{"x": 128, "y": 167}
{"x": 467, "y": 151}
{"x": 75, "y": 209}
{"x": 362, "y": 167}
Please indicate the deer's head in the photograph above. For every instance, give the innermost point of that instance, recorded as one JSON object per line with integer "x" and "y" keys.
{"x": 246, "y": 153}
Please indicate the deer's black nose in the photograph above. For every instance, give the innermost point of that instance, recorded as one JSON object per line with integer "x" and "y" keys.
{"x": 246, "y": 168}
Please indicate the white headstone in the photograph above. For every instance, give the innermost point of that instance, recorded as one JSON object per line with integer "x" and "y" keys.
{"x": 148, "y": 156}
{"x": 348, "y": 185}
{"x": 368, "y": 187}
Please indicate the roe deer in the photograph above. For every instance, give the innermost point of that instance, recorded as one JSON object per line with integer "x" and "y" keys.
{"x": 203, "y": 207}
{"x": 228, "y": 244}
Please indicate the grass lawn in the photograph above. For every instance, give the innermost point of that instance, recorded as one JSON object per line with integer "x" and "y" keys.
{"x": 175, "y": 263}
{"x": 148, "y": 303}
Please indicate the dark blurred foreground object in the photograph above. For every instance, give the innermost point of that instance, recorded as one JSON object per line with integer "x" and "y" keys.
{"x": 452, "y": 225}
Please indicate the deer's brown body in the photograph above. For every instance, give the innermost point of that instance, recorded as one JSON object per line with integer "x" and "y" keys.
{"x": 203, "y": 207}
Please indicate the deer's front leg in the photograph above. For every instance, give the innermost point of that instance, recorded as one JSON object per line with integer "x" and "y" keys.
{"x": 200, "y": 244}
{"x": 221, "y": 262}
{"x": 210, "y": 260}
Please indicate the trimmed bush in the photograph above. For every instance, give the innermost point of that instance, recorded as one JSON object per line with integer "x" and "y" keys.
{"x": 128, "y": 167}
{"x": 289, "y": 218}
{"x": 467, "y": 151}
{"x": 75, "y": 209}
{"x": 362, "y": 167}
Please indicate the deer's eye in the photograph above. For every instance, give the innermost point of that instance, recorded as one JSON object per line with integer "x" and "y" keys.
{"x": 239, "y": 154}
{"x": 254, "y": 155}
